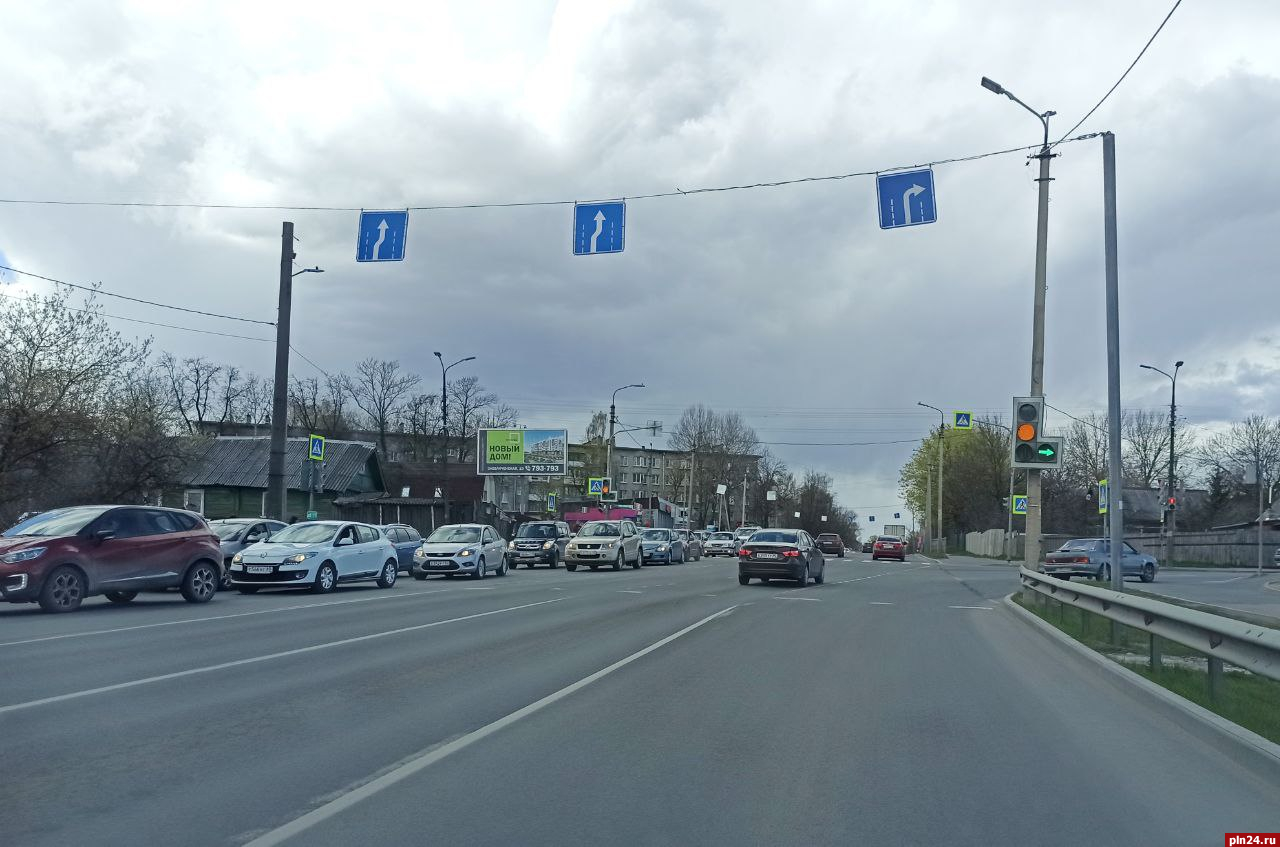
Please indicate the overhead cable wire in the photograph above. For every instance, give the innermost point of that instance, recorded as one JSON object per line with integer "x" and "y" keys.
{"x": 678, "y": 192}
{"x": 1089, "y": 114}
{"x": 105, "y": 293}
{"x": 306, "y": 359}
{"x": 151, "y": 323}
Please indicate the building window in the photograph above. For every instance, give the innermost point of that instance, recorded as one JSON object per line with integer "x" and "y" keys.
{"x": 193, "y": 500}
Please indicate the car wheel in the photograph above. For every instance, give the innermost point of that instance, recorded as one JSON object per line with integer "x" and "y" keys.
{"x": 1148, "y": 573}
{"x": 121, "y": 596}
{"x": 63, "y": 591}
{"x": 390, "y": 571}
{"x": 597, "y": 567}
{"x": 744, "y": 580}
{"x": 248, "y": 589}
{"x": 1066, "y": 577}
{"x": 419, "y": 576}
{"x": 502, "y": 567}
{"x": 804, "y": 577}
{"x": 842, "y": 554}
{"x": 326, "y": 579}
{"x": 555, "y": 559}
{"x": 482, "y": 569}
{"x": 639, "y": 562}
{"x": 821, "y": 577}
{"x": 570, "y": 567}
{"x": 200, "y": 583}
{"x": 1105, "y": 573}
{"x": 764, "y": 580}
{"x": 620, "y": 561}
{"x": 225, "y": 583}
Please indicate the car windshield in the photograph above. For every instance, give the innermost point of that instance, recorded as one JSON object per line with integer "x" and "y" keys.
{"x": 455, "y": 535}
{"x": 597, "y": 530}
{"x": 770, "y": 537}
{"x": 56, "y": 523}
{"x": 536, "y": 530}
{"x": 722, "y": 536}
{"x": 655, "y": 535}
{"x": 305, "y": 533}
{"x": 226, "y": 530}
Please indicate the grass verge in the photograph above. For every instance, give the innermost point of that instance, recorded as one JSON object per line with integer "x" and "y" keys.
{"x": 1246, "y": 699}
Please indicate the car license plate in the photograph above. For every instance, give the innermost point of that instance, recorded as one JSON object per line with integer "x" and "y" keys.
{"x": 766, "y": 555}
{"x": 440, "y": 563}
{"x": 258, "y": 569}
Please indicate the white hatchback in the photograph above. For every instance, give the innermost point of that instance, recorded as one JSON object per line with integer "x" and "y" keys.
{"x": 316, "y": 555}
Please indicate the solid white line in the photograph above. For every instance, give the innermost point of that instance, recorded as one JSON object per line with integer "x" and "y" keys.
{"x": 983, "y": 608}
{"x": 880, "y": 603}
{"x": 480, "y": 588}
{"x": 221, "y": 617}
{"x": 810, "y": 599}
{"x": 89, "y": 692}
{"x": 630, "y": 592}
{"x": 430, "y": 757}
{"x": 1233, "y": 579}
{"x": 873, "y": 576}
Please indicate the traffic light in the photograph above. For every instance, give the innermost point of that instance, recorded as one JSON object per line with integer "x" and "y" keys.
{"x": 1031, "y": 447}
{"x": 607, "y": 494}
{"x": 1173, "y": 503}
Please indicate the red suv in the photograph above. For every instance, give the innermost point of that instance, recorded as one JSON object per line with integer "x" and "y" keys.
{"x": 60, "y": 557}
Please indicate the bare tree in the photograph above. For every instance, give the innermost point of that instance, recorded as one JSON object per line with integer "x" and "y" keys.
{"x": 468, "y": 402}
{"x": 377, "y": 389}
{"x": 420, "y": 421}
{"x": 1251, "y": 443}
{"x": 230, "y": 391}
{"x": 192, "y": 385}
{"x": 256, "y": 400}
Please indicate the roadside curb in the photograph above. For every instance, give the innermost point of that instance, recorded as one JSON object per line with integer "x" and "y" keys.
{"x": 1261, "y": 755}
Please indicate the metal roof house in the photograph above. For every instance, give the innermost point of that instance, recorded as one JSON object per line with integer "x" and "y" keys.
{"x": 227, "y": 477}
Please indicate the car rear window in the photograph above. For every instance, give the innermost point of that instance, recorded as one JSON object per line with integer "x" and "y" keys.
{"x": 1080, "y": 544}
{"x": 827, "y": 536}
{"x": 892, "y": 538}
{"x": 774, "y": 537}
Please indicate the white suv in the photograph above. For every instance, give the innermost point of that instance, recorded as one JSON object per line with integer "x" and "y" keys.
{"x": 316, "y": 555}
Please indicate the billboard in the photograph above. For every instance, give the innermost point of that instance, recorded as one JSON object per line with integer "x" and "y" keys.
{"x": 519, "y": 452}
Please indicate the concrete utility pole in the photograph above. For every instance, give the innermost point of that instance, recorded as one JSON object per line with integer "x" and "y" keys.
{"x": 277, "y": 492}
{"x": 613, "y": 420}
{"x": 744, "y": 499}
{"x": 1034, "y": 517}
{"x": 1115, "y": 468}
{"x": 1171, "y": 513}
{"x": 942, "y": 422}
{"x": 444, "y": 429}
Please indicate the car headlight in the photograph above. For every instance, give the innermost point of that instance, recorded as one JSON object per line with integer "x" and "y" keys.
{"x": 23, "y": 555}
{"x": 511, "y": 545}
{"x": 237, "y": 559}
{"x": 610, "y": 545}
{"x": 464, "y": 553}
{"x": 419, "y": 553}
{"x": 662, "y": 548}
{"x": 300, "y": 558}
{"x": 548, "y": 545}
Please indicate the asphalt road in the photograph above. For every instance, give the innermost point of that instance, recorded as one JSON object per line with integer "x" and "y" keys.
{"x": 897, "y": 704}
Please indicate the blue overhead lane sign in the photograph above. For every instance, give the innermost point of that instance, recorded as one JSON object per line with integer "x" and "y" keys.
{"x": 599, "y": 227}
{"x": 906, "y": 198}
{"x": 382, "y": 236}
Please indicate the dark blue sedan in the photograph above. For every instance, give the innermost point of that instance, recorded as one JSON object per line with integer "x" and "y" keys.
{"x": 662, "y": 546}
{"x": 405, "y": 539}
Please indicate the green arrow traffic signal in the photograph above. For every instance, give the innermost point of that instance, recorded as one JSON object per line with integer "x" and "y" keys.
{"x": 1046, "y": 451}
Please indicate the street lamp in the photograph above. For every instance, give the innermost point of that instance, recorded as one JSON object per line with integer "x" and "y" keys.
{"x": 444, "y": 428}
{"x": 316, "y": 270}
{"x": 1032, "y": 551}
{"x": 613, "y": 419}
{"x": 1171, "y": 522}
{"x": 942, "y": 419}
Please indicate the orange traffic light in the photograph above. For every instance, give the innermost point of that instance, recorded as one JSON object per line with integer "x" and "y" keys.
{"x": 1026, "y": 431}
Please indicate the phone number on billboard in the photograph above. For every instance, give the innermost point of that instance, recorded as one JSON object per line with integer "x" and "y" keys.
{"x": 520, "y": 469}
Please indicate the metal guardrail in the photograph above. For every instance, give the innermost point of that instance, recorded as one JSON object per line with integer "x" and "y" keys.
{"x": 1246, "y": 645}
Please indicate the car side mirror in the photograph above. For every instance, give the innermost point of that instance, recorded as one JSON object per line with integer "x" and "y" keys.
{"x": 104, "y": 535}
{"x": 343, "y": 542}
{"x": 253, "y": 539}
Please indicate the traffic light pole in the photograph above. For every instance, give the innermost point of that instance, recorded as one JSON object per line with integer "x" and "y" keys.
{"x": 1115, "y": 473}
{"x": 1031, "y": 544}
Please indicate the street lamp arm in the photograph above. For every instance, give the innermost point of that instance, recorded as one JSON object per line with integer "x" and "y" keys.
{"x": 1157, "y": 370}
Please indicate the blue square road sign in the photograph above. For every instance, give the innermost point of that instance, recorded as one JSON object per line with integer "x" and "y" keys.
{"x": 599, "y": 227}
{"x": 382, "y": 236}
{"x": 315, "y": 448}
{"x": 1020, "y": 504}
{"x": 906, "y": 199}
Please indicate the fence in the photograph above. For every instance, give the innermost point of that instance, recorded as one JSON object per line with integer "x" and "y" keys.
{"x": 993, "y": 544}
{"x": 1214, "y": 547}
{"x": 1250, "y": 646}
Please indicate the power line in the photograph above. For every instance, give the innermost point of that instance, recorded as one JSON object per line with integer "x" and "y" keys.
{"x": 93, "y": 290}
{"x": 836, "y": 443}
{"x": 1074, "y": 418}
{"x": 149, "y": 323}
{"x": 1088, "y": 114}
{"x": 309, "y": 362}
{"x": 678, "y": 192}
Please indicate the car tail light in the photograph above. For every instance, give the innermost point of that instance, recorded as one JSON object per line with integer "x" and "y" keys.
{"x": 791, "y": 554}
{"x": 744, "y": 552}
{"x": 1081, "y": 560}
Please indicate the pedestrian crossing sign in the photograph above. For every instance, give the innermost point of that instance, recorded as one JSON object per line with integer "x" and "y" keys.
{"x": 963, "y": 420}
{"x": 1019, "y": 504}
{"x": 595, "y": 485}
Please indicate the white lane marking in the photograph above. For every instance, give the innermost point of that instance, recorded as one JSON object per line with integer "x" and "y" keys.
{"x": 710, "y": 595}
{"x": 1233, "y": 579}
{"x": 810, "y": 599}
{"x": 252, "y": 660}
{"x": 629, "y": 591}
{"x": 430, "y": 757}
{"x": 222, "y": 617}
{"x": 880, "y": 603}
{"x": 1272, "y": 586}
{"x": 480, "y": 588}
{"x": 983, "y": 608}
{"x": 873, "y": 576}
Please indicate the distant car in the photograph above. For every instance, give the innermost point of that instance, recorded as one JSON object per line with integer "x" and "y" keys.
{"x": 663, "y": 545}
{"x": 720, "y": 544}
{"x": 742, "y": 533}
{"x": 781, "y": 554}
{"x": 692, "y": 544}
{"x": 58, "y": 558}
{"x": 235, "y": 534}
{"x": 539, "y": 542}
{"x": 465, "y": 548}
{"x": 829, "y": 542}
{"x": 1275, "y": 560}
{"x": 1090, "y": 557}
{"x": 868, "y": 546}
{"x": 316, "y": 555}
{"x": 889, "y": 547}
{"x": 613, "y": 543}
{"x": 406, "y": 540}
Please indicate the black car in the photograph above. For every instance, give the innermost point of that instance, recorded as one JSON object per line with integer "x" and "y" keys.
{"x": 539, "y": 543}
{"x": 830, "y": 542}
{"x": 868, "y": 546}
{"x": 781, "y": 554}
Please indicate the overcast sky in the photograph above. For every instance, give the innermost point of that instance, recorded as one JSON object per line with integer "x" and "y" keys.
{"x": 789, "y": 303}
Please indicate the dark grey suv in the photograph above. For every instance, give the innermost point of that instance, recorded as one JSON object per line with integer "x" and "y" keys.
{"x": 539, "y": 543}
